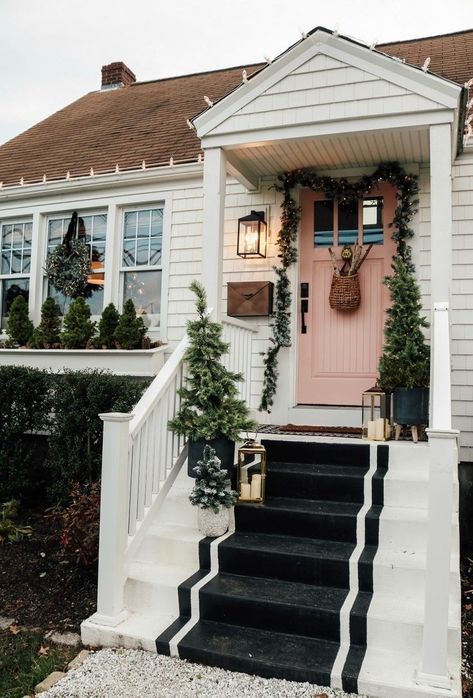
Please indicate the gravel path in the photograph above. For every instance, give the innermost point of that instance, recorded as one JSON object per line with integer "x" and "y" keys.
{"x": 137, "y": 674}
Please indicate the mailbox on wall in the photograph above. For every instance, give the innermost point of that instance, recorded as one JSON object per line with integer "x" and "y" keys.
{"x": 249, "y": 298}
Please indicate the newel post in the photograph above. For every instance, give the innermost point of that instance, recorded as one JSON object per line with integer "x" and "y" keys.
{"x": 113, "y": 518}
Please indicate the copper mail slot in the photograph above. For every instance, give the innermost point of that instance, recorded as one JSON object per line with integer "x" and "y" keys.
{"x": 249, "y": 298}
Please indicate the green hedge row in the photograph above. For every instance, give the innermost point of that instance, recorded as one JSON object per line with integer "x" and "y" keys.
{"x": 66, "y": 408}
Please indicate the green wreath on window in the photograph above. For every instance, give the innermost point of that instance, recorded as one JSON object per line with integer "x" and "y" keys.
{"x": 68, "y": 268}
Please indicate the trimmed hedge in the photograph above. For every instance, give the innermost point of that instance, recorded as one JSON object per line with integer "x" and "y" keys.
{"x": 67, "y": 407}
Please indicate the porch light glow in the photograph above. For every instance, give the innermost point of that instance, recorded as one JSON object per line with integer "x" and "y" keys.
{"x": 252, "y": 235}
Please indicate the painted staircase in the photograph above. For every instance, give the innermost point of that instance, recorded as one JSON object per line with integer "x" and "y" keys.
{"x": 324, "y": 582}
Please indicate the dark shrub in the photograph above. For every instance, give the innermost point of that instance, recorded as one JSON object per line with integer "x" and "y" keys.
{"x": 80, "y": 524}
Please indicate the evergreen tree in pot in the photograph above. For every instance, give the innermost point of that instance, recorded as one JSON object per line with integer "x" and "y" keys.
{"x": 405, "y": 363}
{"x": 212, "y": 494}
{"x": 47, "y": 334}
{"x": 210, "y": 411}
{"x": 19, "y": 326}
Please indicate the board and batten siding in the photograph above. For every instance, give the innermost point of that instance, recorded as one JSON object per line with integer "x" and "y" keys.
{"x": 323, "y": 89}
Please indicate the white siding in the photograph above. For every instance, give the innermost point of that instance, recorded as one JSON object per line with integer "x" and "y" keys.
{"x": 321, "y": 90}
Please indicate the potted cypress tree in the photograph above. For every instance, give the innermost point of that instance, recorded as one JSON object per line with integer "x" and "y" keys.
{"x": 210, "y": 411}
{"x": 405, "y": 363}
{"x": 107, "y": 327}
{"x": 47, "y": 334}
{"x": 78, "y": 327}
{"x": 19, "y": 326}
{"x": 212, "y": 494}
{"x": 130, "y": 328}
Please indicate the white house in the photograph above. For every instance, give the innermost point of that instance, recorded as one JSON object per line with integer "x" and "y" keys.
{"x": 160, "y": 173}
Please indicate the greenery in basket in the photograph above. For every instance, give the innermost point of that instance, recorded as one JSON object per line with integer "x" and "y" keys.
{"x": 405, "y": 362}
{"x": 130, "y": 328}
{"x": 19, "y": 326}
{"x": 78, "y": 328}
{"x": 48, "y": 331}
{"x": 212, "y": 486}
{"x": 210, "y": 407}
{"x": 107, "y": 326}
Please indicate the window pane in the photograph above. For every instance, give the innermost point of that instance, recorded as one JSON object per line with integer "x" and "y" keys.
{"x": 94, "y": 300}
{"x": 144, "y": 223}
{"x": 55, "y": 231}
{"x": 155, "y": 251}
{"x": 28, "y": 230}
{"x": 26, "y": 265}
{"x": 6, "y": 262}
{"x": 144, "y": 288}
{"x": 16, "y": 262}
{"x": 97, "y": 253}
{"x": 347, "y": 222}
{"x": 142, "y": 251}
{"x": 323, "y": 223}
{"x": 129, "y": 253}
{"x": 130, "y": 224}
{"x": 100, "y": 227}
{"x": 373, "y": 233}
{"x": 7, "y": 235}
{"x": 156, "y": 222}
{"x": 11, "y": 288}
{"x": 18, "y": 236}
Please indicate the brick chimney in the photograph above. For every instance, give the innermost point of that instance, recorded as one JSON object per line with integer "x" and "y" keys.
{"x": 116, "y": 75}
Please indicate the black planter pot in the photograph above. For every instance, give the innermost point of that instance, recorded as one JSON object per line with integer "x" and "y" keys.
{"x": 224, "y": 448}
{"x": 411, "y": 406}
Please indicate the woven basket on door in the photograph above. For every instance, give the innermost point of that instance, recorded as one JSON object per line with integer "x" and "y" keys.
{"x": 345, "y": 292}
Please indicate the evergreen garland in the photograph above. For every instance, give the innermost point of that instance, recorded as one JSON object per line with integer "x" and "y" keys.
{"x": 341, "y": 190}
{"x": 212, "y": 486}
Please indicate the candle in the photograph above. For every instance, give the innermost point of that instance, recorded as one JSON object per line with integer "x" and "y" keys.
{"x": 244, "y": 474}
{"x": 245, "y": 491}
{"x": 256, "y": 487}
{"x": 380, "y": 429}
{"x": 372, "y": 429}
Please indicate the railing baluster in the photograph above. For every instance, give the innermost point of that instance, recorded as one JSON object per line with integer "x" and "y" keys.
{"x": 135, "y": 464}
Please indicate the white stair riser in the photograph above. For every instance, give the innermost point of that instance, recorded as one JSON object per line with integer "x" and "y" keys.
{"x": 405, "y": 535}
{"x": 108, "y": 637}
{"x": 389, "y": 580}
{"x": 178, "y": 510}
{"x": 410, "y": 493}
{"x": 399, "y": 636}
{"x": 151, "y": 597}
{"x": 169, "y": 551}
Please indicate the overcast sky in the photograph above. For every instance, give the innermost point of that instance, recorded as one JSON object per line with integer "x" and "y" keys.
{"x": 51, "y": 51}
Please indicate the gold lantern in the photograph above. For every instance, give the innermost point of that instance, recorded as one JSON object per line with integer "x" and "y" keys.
{"x": 251, "y": 472}
{"x": 376, "y": 415}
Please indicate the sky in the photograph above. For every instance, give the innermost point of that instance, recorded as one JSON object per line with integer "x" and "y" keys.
{"x": 51, "y": 51}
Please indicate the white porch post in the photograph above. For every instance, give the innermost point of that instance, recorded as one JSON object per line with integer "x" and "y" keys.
{"x": 36, "y": 273}
{"x": 113, "y": 519}
{"x": 213, "y": 220}
{"x": 433, "y": 670}
{"x": 112, "y": 259}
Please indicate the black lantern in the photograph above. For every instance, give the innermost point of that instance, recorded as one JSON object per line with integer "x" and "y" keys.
{"x": 252, "y": 233}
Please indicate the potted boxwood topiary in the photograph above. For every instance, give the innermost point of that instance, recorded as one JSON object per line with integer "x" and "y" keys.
{"x": 212, "y": 494}
{"x": 78, "y": 328}
{"x": 107, "y": 327}
{"x": 130, "y": 329}
{"x": 47, "y": 334}
{"x": 210, "y": 411}
{"x": 19, "y": 326}
{"x": 405, "y": 363}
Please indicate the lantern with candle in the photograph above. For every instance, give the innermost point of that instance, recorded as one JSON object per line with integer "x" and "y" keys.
{"x": 376, "y": 414}
{"x": 251, "y": 472}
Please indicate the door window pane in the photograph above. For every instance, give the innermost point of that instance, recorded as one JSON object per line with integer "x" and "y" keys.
{"x": 323, "y": 223}
{"x": 373, "y": 233}
{"x": 347, "y": 222}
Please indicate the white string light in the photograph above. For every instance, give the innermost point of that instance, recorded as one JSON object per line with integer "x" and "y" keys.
{"x": 425, "y": 67}
{"x": 91, "y": 171}
{"x": 208, "y": 101}
{"x": 244, "y": 75}
{"x": 190, "y": 124}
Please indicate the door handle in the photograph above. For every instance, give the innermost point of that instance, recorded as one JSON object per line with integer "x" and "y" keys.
{"x": 304, "y": 310}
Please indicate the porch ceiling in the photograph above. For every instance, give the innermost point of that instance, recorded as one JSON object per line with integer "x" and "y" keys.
{"x": 332, "y": 152}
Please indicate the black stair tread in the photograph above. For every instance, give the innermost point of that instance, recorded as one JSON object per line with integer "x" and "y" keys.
{"x": 264, "y": 652}
{"x": 296, "y": 545}
{"x": 310, "y": 506}
{"x": 277, "y": 591}
{"x": 294, "y": 468}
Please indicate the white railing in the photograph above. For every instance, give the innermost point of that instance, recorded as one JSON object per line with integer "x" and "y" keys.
{"x": 140, "y": 461}
{"x": 239, "y": 334}
{"x": 443, "y": 458}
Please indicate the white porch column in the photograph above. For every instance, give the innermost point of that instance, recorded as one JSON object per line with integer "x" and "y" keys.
{"x": 113, "y": 519}
{"x": 215, "y": 178}
{"x": 112, "y": 258}
{"x": 443, "y": 457}
{"x": 441, "y": 211}
{"x": 37, "y": 264}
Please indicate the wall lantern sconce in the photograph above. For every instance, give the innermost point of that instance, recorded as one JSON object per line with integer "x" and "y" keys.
{"x": 252, "y": 235}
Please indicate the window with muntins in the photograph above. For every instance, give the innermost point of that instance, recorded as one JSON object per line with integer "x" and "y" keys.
{"x": 15, "y": 243}
{"x": 348, "y": 222}
{"x": 92, "y": 230}
{"x": 142, "y": 261}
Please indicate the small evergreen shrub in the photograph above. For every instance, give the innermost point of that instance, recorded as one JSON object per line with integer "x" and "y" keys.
{"x": 79, "y": 523}
{"x": 78, "y": 328}
{"x": 210, "y": 407}
{"x": 212, "y": 486}
{"x": 10, "y": 530}
{"x": 405, "y": 362}
{"x": 47, "y": 334}
{"x": 107, "y": 326}
{"x": 19, "y": 326}
{"x": 130, "y": 329}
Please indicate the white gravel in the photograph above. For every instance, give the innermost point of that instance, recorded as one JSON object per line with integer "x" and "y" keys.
{"x": 136, "y": 674}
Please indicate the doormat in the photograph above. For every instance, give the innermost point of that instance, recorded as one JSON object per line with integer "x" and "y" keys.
{"x": 309, "y": 429}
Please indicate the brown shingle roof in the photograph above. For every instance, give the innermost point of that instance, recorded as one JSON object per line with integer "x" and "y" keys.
{"x": 451, "y": 55}
{"x": 147, "y": 121}
{"x": 144, "y": 121}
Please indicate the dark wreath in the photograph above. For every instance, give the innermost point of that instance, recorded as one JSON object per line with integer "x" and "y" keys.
{"x": 68, "y": 266}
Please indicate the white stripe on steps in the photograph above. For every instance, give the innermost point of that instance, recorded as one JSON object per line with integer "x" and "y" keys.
{"x": 336, "y": 674}
{"x": 195, "y": 610}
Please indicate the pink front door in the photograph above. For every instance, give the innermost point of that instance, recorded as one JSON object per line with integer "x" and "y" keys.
{"x": 339, "y": 351}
